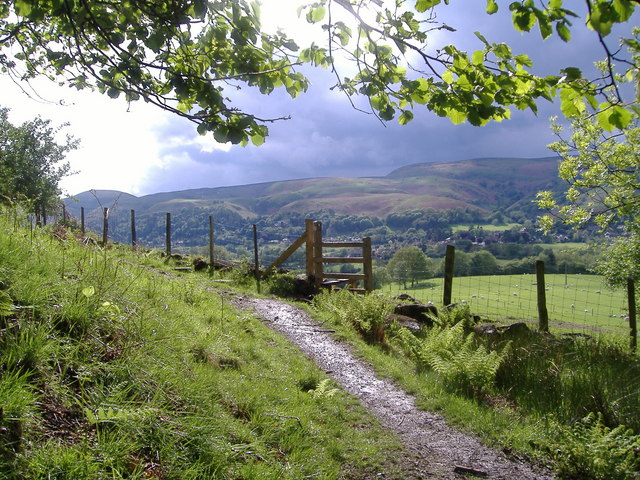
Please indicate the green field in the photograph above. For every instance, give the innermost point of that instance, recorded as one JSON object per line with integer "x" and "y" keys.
{"x": 574, "y": 302}
{"x": 486, "y": 227}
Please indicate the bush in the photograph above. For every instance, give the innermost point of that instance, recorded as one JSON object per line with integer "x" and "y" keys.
{"x": 282, "y": 285}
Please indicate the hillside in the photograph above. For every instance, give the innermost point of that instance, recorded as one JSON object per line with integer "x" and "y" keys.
{"x": 487, "y": 184}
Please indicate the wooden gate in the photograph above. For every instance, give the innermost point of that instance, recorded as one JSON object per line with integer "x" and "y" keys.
{"x": 315, "y": 260}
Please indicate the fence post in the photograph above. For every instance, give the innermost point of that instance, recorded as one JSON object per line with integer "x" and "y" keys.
{"x": 543, "y": 315}
{"x": 168, "y": 234}
{"x": 82, "y": 220}
{"x": 134, "y": 240}
{"x": 317, "y": 254}
{"x": 449, "y": 260}
{"x": 308, "y": 224}
{"x": 105, "y": 226}
{"x": 366, "y": 267}
{"x": 255, "y": 253}
{"x": 631, "y": 298}
{"x": 211, "y": 257}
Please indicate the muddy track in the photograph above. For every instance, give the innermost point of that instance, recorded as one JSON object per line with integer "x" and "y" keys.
{"x": 434, "y": 450}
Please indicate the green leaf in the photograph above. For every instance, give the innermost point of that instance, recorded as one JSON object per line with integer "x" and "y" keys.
{"x": 614, "y": 117}
{"x": 571, "y": 103}
{"x": 523, "y": 20}
{"x": 601, "y": 18}
{"x": 563, "y": 31}
{"x": 113, "y": 92}
{"x": 447, "y": 77}
{"x": 424, "y": 5}
{"x": 316, "y": 14}
{"x": 23, "y": 9}
{"x": 388, "y": 113}
{"x": 88, "y": 291}
{"x": 200, "y": 8}
{"x": 405, "y": 117}
{"x": 492, "y": 7}
{"x": 456, "y": 116}
{"x": 481, "y": 37}
{"x": 478, "y": 57}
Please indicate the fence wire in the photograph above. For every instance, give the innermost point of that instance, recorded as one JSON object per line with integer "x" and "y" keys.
{"x": 575, "y": 302}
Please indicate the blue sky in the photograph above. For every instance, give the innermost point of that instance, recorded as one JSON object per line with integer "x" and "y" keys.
{"x": 139, "y": 149}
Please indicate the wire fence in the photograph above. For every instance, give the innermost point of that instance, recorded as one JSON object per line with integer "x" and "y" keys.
{"x": 575, "y": 302}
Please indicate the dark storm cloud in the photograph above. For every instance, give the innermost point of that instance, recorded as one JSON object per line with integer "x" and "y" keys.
{"x": 327, "y": 137}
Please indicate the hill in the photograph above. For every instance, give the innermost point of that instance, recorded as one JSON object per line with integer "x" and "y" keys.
{"x": 487, "y": 184}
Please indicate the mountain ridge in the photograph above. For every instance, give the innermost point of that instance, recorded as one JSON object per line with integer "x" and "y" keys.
{"x": 486, "y": 183}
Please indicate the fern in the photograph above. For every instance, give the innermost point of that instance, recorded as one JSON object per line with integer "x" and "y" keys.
{"x": 592, "y": 451}
{"x": 454, "y": 356}
{"x": 323, "y": 390}
{"x": 367, "y": 314}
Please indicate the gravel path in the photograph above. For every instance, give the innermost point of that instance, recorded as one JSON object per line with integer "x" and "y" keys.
{"x": 434, "y": 450}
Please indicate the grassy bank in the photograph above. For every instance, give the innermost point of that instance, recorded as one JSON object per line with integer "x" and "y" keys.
{"x": 114, "y": 366}
{"x": 571, "y": 402}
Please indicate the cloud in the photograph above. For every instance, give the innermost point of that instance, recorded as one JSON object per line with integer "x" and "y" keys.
{"x": 139, "y": 149}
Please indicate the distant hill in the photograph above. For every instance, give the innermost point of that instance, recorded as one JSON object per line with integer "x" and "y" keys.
{"x": 487, "y": 184}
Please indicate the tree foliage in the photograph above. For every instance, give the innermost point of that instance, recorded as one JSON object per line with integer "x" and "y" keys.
{"x": 32, "y": 162}
{"x": 188, "y": 56}
{"x": 602, "y": 171}
{"x": 409, "y": 264}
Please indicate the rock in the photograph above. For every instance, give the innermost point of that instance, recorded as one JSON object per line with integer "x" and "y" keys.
{"x": 404, "y": 321}
{"x": 517, "y": 329}
{"x": 485, "y": 329}
{"x": 406, "y": 298}
{"x": 304, "y": 286}
{"x": 417, "y": 311}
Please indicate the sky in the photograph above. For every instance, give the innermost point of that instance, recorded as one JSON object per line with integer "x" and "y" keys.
{"x": 140, "y": 149}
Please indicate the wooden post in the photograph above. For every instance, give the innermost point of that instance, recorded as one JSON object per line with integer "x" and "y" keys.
{"x": 255, "y": 252}
{"x": 631, "y": 298}
{"x": 543, "y": 316}
{"x": 134, "y": 240}
{"x": 367, "y": 268}
{"x": 82, "y": 220}
{"x": 311, "y": 271}
{"x": 211, "y": 256}
{"x": 105, "y": 226}
{"x": 449, "y": 261}
{"x": 317, "y": 254}
{"x": 168, "y": 234}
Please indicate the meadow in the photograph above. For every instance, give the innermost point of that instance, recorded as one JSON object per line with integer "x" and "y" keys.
{"x": 577, "y": 303}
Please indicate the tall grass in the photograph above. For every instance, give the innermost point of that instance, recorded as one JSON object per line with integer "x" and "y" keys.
{"x": 113, "y": 365}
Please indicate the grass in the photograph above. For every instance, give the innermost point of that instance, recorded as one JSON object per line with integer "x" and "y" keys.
{"x": 574, "y": 302}
{"x": 572, "y": 403}
{"x": 116, "y": 366}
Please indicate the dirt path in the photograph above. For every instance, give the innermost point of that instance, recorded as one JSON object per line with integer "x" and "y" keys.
{"x": 434, "y": 450}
